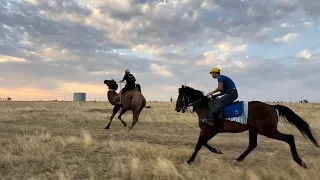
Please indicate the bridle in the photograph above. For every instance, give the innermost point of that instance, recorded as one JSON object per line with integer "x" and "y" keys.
{"x": 186, "y": 103}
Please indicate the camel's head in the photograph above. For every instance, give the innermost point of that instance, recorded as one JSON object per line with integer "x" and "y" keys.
{"x": 112, "y": 84}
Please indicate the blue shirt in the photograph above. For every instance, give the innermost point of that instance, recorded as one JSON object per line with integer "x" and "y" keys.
{"x": 228, "y": 84}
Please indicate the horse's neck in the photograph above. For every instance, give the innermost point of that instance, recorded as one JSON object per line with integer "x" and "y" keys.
{"x": 112, "y": 97}
{"x": 202, "y": 109}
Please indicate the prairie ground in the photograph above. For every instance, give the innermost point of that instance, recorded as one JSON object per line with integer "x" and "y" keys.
{"x": 67, "y": 140}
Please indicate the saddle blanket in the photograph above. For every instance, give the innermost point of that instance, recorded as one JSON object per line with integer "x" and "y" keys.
{"x": 242, "y": 119}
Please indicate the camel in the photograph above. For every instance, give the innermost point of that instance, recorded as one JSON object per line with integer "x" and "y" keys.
{"x": 131, "y": 100}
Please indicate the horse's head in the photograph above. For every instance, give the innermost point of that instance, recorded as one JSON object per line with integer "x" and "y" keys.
{"x": 112, "y": 84}
{"x": 186, "y": 96}
{"x": 182, "y": 100}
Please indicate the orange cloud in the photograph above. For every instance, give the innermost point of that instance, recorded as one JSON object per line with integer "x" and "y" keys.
{"x": 25, "y": 94}
{"x": 77, "y": 87}
{"x": 11, "y": 59}
{"x": 64, "y": 92}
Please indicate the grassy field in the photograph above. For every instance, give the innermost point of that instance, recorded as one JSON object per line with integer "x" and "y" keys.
{"x": 67, "y": 140}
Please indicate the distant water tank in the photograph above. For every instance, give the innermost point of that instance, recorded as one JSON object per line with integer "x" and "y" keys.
{"x": 79, "y": 96}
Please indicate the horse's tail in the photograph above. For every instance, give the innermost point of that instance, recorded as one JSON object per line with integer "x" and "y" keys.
{"x": 295, "y": 120}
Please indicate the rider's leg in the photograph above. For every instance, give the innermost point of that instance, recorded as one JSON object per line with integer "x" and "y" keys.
{"x": 120, "y": 94}
{"x": 218, "y": 104}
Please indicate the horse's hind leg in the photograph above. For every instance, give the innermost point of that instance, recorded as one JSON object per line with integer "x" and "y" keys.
{"x": 253, "y": 134}
{"x": 114, "y": 112}
{"x": 288, "y": 138}
{"x": 119, "y": 117}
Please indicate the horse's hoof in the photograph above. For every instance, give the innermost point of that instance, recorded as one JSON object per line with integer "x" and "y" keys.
{"x": 237, "y": 162}
{"x": 189, "y": 161}
{"x": 219, "y": 152}
{"x": 107, "y": 127}
{"x": 303, "y": 164}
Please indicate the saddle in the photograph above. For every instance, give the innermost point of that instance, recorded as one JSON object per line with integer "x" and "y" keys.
{"x": 232, "y": 109}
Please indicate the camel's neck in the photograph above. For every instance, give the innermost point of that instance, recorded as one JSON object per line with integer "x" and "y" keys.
{"x": 112, "y": 94}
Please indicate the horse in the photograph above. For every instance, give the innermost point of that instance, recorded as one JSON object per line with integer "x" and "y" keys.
{"x": 262, "y": 118}
{"x": 131, "y": 100}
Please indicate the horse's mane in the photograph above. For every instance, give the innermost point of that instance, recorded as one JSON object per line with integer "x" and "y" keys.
{"x": 193, "y": 93}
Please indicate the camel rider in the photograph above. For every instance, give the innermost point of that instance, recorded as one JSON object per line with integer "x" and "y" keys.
{"x": 130, "y": 83}
{"x": 225, "y": 86}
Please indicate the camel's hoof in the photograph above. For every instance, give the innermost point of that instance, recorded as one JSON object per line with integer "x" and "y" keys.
{"x": 124, "y": 124}
{"x": 303, "y": 164}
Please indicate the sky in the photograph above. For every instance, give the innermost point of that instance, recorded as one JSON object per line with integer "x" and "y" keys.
{"x": 51, "y": 49}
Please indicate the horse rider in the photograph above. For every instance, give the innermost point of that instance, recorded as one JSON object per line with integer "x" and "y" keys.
{"x": 227, "y": 87}
{"x": 130, "y": 83}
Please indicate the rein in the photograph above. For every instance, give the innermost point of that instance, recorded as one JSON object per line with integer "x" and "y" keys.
{"x": 185, "y": 105}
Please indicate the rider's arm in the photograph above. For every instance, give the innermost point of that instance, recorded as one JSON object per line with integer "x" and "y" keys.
{"x": 123, "y": 79}
{"x": 220, "y": 85}
{"x": 219, "y": 88}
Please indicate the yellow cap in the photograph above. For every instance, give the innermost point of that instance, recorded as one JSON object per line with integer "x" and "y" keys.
{"x": 213, "y": 70}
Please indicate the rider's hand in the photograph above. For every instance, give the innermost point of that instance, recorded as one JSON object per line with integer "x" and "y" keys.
{"x": 209, "y": 93}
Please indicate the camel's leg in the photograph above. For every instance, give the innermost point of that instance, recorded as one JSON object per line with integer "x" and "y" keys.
{"x": 114, "y": 112}
{"x": 119, "y": 117}
{"x": 135, "y": 118}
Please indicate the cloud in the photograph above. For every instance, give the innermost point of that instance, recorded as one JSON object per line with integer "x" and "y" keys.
{"x": 304, "y": 54}
{"x": 308, "y": 24}
{"x": 161, "y": 70}
{"x": 286, "y": 25}
{"x": 11, "y": 59}
{"x": 223, "y": 56}
{"x": 285, "y": 39}
{"x": 57, "y": 47}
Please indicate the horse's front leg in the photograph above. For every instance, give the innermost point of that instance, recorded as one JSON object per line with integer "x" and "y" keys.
{"x": 205, "y": 135}
{"x": 212, "y": 149}
{"x": 196, "y": 150}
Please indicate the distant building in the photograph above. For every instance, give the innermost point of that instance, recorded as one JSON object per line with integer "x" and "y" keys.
{"x": 79, "y": 96}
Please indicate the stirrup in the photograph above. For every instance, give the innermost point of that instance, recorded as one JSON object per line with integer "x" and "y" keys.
{"x": 208, "y": 120}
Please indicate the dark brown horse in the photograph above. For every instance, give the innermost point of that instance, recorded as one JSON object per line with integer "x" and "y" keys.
{"x": 262, "y": 119}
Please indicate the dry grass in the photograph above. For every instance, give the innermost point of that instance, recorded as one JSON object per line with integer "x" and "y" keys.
{"x": 67, "y": 140}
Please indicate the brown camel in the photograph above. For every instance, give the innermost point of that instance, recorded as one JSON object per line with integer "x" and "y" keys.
{"x": 131, "y": 100}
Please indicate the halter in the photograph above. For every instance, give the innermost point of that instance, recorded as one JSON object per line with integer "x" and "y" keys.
{"x": 186, "y": 105}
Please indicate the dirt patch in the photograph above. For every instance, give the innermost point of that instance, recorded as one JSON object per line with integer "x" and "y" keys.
{"x": 100, "y": 110}
{"x": 32, "y": 110}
